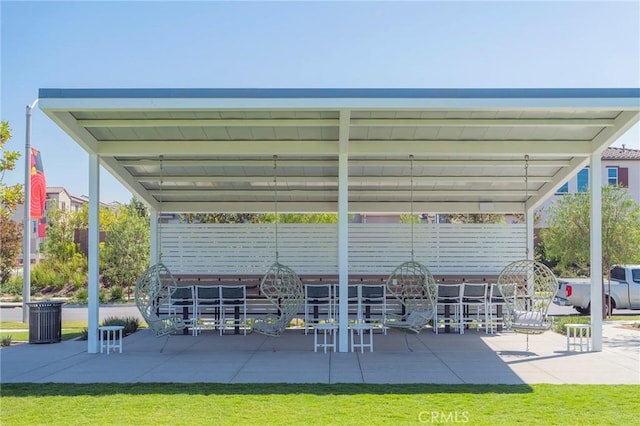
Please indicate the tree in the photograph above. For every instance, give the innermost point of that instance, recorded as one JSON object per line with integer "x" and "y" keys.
{"x": 10, "y": 197}
{"x": 126, "y": 248}
{"x": 567, "y": 239}
{"x": 59, "y": 246}
{"x": 221, "y": 218}
{"x": 476, "y": 218}
{"x": 300, "y": 218}
{"x": 10, "y": 247}
{"x": 80, "y": 218}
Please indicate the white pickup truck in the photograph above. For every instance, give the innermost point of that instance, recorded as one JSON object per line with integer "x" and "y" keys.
{"x": 625, "y": 290}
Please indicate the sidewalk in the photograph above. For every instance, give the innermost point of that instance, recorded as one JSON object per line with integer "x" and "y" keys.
{"x": 398, "y": 358}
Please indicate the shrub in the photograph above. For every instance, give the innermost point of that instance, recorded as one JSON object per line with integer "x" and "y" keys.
{"x": 81, "y": 296}
{"x": 116, "y": 294}
{"x": 45, "y": 275}
{"x": 130, "y": 324}
{"x": 84, "y": 334}
{"x": 559, "y": 323}
{"x": 13, "y": 286}
{"x": 5, "y": 341}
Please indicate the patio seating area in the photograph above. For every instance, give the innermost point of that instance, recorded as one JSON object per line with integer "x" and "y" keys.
{"x": 255, "y": 358}
{"x": 461, "y": 305}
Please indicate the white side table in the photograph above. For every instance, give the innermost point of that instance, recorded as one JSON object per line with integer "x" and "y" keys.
{"x": 578, "y": 336}
{"x": 113, "y": 338}
{"x": 358, "y": 338}
{"x": 329, "y": 336}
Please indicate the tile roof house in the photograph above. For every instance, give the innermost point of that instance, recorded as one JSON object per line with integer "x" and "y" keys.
{"x": 620, "y": 166}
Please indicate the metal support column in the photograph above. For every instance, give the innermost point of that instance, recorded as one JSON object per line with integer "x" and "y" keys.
{"x": 94, "y": 243}
{"x": 343, "y": 231}
{"x": 595, "y": 175}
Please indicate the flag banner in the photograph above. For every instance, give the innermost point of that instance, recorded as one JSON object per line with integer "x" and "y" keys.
{"x": 42, "y": 228}
{"x": 38, "y": 185}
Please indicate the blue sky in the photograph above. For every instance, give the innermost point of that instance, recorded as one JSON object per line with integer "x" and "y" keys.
{"x": 299, "y": 44}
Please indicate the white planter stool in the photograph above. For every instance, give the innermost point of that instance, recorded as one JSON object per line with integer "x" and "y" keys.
{"x": 113, "y": 338}
{"x": 329, "y": 336}
{"x": 575, "y": 338}
{"x": 361, "y": 331}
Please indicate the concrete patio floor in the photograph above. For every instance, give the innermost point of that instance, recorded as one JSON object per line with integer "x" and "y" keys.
{"x": 398, "y": 357}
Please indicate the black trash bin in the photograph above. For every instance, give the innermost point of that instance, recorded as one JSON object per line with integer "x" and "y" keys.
{"x": 45, "y": 322}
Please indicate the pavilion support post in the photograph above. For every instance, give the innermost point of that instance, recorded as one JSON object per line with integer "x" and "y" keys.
{"x": 343, "y": 231}
{"x": 154, "y": 241}
{"x": 94, "y": 242}
{"x": 596, "y": 250}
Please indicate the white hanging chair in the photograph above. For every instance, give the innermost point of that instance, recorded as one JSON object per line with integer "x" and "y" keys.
{"x": 415, "y": 288}
{"x": 283, "y": 288}
{"x": 280, "y": 285}
{"x": 150, "y": 294}
{"x": 528, "y": 288}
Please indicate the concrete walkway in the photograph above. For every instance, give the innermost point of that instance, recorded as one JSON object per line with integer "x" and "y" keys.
{"x": 398, "y": 357}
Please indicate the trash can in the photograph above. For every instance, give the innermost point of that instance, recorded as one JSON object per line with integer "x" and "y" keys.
{"x": 45, "y": 322}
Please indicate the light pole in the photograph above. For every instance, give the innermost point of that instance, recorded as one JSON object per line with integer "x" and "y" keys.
{"x": 26, "y": 239}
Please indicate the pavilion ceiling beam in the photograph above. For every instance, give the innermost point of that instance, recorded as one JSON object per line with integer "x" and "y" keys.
{"x": 237, "y": 178}
{"x": 482, "y": 122}
{"x": 487, "y": 148}
{"x": 353, "y": 179}
{"x": 624, "y": 122}
{"x": 305, "y": 193}
{"x": 218, "y": 148}
{"x": 240, "y": 122}
{"x": 436, "y": 207}
{"x": 353, "y": 162}
{"x": 494, "y": 148}
{"x": 458, "y": 163}
{"x": 331, "y": 207}
{"x": 282, "y": 162}
{"x": 133, "y": 185}
{"x": 249, "y": 207}
{"x": 559, "y": 179}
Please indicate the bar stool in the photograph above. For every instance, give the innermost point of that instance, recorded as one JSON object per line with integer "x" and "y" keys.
{"x": 361, "y": 330}
{"x": 113, "y": 339}
{"x": 575, "y": 338}
{"x": 329, "y": 336}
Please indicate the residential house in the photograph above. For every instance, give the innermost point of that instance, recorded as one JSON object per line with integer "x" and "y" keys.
{"x": 620, "y": 166}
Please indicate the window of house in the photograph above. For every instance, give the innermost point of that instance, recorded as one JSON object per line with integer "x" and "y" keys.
{"x": 612, "y": 176}
{"x": 583, "y": 180}
{"x": 563, "y": 189}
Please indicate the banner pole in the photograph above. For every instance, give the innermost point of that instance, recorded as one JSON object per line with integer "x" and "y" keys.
{"x": 26, "y": 228}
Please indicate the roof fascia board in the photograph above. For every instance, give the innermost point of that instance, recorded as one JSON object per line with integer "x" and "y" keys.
{"x": 603, "y": 98}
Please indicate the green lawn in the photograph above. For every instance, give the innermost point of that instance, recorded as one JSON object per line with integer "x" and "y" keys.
{"x": 70, "y": 330}
{"x": 269, "y": 404}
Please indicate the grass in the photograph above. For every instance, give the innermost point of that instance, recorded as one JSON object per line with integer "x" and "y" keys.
{"x": 70, "y": 330}
{"x": 151, "y": 404}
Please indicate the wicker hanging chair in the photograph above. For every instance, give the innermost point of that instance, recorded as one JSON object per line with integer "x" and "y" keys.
{"x": 150, "y": 294}
{"x": 280, "y": 285}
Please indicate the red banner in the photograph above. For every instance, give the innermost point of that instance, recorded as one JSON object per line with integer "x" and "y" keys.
{"x": 38, "y": 185}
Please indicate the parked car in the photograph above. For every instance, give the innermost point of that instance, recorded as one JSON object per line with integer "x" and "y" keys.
{"x": 624, "y": 290}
